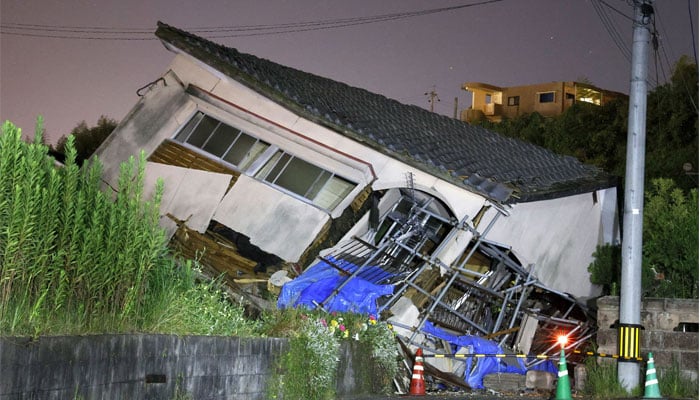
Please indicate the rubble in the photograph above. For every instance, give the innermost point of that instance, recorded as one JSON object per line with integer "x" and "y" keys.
{"x": 486, "y": 294}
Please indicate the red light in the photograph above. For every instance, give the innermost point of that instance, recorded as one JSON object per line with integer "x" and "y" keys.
{"x": 562, "y": 339}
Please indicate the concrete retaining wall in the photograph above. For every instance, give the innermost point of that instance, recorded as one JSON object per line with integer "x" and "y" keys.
{"x": 152, "y": 367}
{"x": 663, "y": 321}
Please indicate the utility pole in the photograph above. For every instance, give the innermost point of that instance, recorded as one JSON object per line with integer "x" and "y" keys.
{"x": 432, "y": 97}
{"x": 629, "y": 329}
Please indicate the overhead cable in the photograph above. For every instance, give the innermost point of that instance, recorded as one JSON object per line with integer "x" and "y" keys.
{"x": 611, "y": 28}
{"x": 215, "y": 32}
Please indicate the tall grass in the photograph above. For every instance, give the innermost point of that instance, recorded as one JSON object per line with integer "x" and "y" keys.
{"x": 601, "y": 380}
{"x": 75, "y": 259}
{"x": 673, "y": 384}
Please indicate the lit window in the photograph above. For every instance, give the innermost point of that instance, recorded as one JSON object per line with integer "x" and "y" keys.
{"x": 514, "y": 100}
{"x": 546, "y": 97}
{"x": 304, "y": 179}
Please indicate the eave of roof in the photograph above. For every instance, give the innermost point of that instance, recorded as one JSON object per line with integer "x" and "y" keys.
{"x": 502, "y": 169}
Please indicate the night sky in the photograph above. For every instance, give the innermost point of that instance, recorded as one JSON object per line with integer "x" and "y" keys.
{"x": 48, "y": 68}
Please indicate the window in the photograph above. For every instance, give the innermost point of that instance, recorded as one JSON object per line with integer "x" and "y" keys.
{"x": 223, "y": 141}
{"x": 514, "y": 100}
{"x": 487, "y": 99}
{"x": 302, "y": 178}
{"x": 277, "y": 167}
{"x": 546, "y": 97}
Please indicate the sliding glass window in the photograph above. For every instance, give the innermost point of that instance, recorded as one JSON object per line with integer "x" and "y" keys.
{"x": 280, "y": 169}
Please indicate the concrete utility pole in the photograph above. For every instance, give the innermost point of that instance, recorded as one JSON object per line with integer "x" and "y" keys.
{"x": 629, "y": 330}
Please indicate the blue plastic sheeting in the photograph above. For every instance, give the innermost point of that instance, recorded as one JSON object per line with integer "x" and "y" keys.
{"x": 320, "y": 280}
{"x": 486, "y": 365}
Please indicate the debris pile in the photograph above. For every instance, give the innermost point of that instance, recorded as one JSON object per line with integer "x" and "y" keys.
{"x": 485, "y": 306}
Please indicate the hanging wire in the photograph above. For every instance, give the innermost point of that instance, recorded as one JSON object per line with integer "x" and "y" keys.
{"x": 611, "y": 28}
{"x": 663, "y": 44}
{"x": 215, "y": 32}
{"x": 692, "y": 33}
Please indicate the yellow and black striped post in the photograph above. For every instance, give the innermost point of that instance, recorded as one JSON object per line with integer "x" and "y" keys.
{"x": 628, "y": 341}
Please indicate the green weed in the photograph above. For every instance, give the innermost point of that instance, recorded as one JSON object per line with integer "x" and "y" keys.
{"x": 601, "y": 381}
{"x": 673, "y": 384}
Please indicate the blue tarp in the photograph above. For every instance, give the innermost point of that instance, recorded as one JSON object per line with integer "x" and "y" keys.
{"x": 360, "y": 296}
{"x": 486, "y": 365}
{"x": 319, "y": 281}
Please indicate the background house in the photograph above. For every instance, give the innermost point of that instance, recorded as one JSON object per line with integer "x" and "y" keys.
{"x": 494, "y": 103}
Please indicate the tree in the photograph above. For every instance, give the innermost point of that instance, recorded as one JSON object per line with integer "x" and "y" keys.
{"x": 672, "y": 127}
{"x": 670, "y": 246}
{"x": 670, "y": 249}
{"x": 87, "y": 139}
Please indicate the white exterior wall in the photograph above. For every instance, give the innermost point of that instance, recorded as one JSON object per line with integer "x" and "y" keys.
{"x": 189, "y": 194}
{"x": 558, "y": 237}
{"x": 275, "y": 222}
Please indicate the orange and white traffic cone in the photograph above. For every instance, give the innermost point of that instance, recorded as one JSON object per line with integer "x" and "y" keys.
{"x": 417, "y": 387}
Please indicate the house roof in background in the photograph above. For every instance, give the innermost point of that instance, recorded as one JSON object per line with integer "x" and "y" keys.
{"x": 503, "y": 169}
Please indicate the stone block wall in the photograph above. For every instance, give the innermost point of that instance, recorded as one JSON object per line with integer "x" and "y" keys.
{"x": 663, "y": 322}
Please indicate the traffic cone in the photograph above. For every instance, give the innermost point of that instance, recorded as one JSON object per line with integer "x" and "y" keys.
{"x": 417, "y": 387}
{"x": 563, "y": 384}
{"x": 651, "y": 384}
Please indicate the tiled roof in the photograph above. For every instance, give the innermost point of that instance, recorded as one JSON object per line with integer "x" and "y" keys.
{"x": 503, "y": 169}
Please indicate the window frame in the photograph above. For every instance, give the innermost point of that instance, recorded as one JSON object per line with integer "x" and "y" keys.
{"x": 312, "y": 193}
{"x": 243, "y": 164}
{"x": 553, "y": 93}
{"x": 515, "y": 101}
{"x": 262, "y": 159}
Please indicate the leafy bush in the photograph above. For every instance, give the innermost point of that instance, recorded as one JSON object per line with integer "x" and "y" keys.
{"x": 670, "y": 246}
{"x": 308, "y": 369}
{"x": 670, "y": 250}
{"x": 605, "y": 268}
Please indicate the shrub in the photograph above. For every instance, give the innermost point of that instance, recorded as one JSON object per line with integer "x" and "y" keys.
{"x": 308, "y": 369}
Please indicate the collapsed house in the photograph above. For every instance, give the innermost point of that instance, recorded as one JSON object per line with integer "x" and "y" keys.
{"x": 269, "y": 168}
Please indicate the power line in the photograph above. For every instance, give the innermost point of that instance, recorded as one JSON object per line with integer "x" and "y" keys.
{"x": 616, "y": 10}
{"x": 611, "y": 28}
{"x": 692, "y": 33}
{"x": 105, "y": 33}
{"x": 662, "y": 44}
